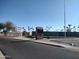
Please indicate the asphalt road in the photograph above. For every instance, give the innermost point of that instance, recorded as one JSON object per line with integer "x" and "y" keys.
{"x": 30, "y": 50}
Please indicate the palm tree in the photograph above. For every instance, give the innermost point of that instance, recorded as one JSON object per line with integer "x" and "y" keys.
{"x": 30, "y": 28}
{"x": 69, "y": 25}
{"x": 74, "y": 28}
{"x": 69, "y": 28}
{"x": 48, "y": 28}
{"x": 78, "y": 28}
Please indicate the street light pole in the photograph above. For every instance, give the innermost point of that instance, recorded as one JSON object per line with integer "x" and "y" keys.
{"x": 64, "y": 19}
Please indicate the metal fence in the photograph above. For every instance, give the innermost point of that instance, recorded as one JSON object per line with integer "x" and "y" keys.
{"x": 58, "y": 34}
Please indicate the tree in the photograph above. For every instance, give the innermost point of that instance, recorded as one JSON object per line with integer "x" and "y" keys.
{"x": 69, "y": 28}
{"x": 69, "y": 25}
{"x": 78, "y": 26}
{"x": 30, "y": 28}
{"x": 9, "y": 26}
{"x": 1, "y": 26}
{"x": 74, "y": 28}
{"x": 48, "y": 28}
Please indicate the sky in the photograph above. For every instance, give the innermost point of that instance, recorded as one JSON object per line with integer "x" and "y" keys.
{"x": 33, "y": 13}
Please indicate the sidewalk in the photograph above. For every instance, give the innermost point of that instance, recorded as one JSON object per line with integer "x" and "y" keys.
{"x": 51, "y": 42}
{"x": 70, "y": 41}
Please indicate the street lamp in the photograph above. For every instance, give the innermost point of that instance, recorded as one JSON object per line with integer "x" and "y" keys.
{"x": 64, "y": 19}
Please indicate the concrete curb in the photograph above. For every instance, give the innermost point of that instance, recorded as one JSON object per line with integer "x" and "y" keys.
{"x": 76, "y": 49}
{"x": 2, "y": 54}
{"x": 46, "y": 43}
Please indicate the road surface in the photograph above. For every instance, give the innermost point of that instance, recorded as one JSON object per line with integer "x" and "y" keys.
{"x": 30, "y": 50}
